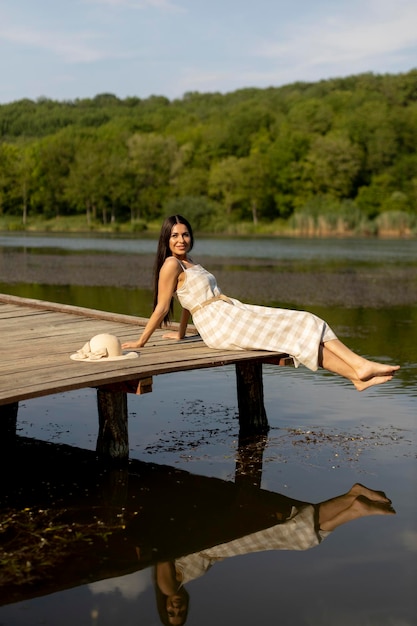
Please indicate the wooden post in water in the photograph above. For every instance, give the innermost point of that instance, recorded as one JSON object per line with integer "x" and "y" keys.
{"x": 8, "y": 422}
{"x": 250, "y": 397}
{"x": 249, "y": 460}
{"x": 113, "y": 436}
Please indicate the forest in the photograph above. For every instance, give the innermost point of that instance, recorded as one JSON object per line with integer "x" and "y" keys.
{"x": 336, "y": 157}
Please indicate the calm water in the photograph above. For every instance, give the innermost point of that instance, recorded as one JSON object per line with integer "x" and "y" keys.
{"x": 191, "y": 484}
{"x": 267, "y": 248}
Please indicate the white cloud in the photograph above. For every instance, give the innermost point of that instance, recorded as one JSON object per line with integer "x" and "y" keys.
{"x": 71, "y": 47}
{"x": 409, "y": 540}
{"x": 130, "y": 586}
{"x": 78, "y": 47}
{"x": 383, "y": 29}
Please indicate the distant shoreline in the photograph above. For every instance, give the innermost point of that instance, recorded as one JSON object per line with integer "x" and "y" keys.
{"x": 153, "y": 233}
{"x": 373, "y": 287}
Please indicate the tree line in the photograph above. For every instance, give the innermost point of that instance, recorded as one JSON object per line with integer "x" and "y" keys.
{"x": 340, "y": 153}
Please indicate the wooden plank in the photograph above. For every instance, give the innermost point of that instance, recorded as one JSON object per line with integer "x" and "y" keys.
{"x": 78, "y": 331}
{"x": 72, "y": 310}
{"x": 18, "y": 313}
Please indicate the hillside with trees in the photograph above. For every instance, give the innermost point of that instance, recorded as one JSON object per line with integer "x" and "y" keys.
{"x": 331, "y": 157}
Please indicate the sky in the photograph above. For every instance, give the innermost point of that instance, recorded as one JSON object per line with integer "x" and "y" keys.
{"x": 70, "y": 49}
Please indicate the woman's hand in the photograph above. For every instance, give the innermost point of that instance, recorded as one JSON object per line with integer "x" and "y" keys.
{"x": 131, "y": 345}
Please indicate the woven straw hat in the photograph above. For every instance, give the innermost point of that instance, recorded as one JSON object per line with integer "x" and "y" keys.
{"x": 102, "y": 347}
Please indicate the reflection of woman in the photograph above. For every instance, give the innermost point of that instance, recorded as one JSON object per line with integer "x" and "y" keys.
{"x": 226, "y": 323}
{"x": 305, "y": 527}
{"x": 171, "y": 597}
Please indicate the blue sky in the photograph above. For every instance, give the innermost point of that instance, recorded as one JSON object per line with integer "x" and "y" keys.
{"x": 68, "y": 49}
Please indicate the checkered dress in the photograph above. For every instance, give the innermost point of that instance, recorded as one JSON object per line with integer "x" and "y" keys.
{"x": 238, "y": 326}
{"x": 298, "y": 532}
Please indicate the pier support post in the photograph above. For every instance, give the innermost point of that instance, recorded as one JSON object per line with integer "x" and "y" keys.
{"x": 113, "y": 437}
{"x": 8, "y": 423}
{"x": 249, "y": 460}
{"x": 250, "y": 397}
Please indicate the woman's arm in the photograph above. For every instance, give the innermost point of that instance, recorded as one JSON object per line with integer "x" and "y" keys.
{"x": 167, "y": 285}
{"x": 167, "y": 578}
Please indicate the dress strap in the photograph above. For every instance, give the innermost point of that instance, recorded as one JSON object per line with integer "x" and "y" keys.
{"x": 181, "y": 263}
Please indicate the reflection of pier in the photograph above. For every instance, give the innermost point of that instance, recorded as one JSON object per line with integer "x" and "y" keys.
{"x": 38, "y": 337}
{"x": 86, "y": 521}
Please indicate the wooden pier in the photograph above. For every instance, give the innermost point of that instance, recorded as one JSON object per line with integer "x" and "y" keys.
{"x": 37, "y": 339}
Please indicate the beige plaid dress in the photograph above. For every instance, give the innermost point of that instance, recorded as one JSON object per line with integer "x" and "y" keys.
{"x": 298, "y": 532}
{"x": 229, "y": 324}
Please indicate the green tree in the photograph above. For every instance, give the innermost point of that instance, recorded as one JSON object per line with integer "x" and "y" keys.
{"x": 203, "y": 213}
{"x": 370, "y": 198}
{"x": 155, "y": 163}
{"x": 193, "y": 181}
{"x": 286, "y": 155}
{"x": 311, "y": 116}
{"x": 8, "y": 159}
{"x": 16, "y": 171}
{"x": 254, "y": 183}
{"x": 332, "y": 166}
{"x": 241, "y": 184}
{"x": 99, "y": 180}
{"x": 83, "y": 189}
{"x": 24, "y": 177}
{"x": 225, "y": 182}
{"x": 54, "y": 156}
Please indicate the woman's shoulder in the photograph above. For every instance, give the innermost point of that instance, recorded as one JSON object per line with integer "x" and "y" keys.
{"x": 172, "y": 260}
{"x": 172, "y": 264}
{"x": 175, "y": 262}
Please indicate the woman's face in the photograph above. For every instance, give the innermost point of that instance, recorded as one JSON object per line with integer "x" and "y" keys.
{"x": 180, "y": 241}
{"x": 176, "y": 610}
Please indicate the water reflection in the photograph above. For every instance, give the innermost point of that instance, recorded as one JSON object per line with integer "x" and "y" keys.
{"x": 299, "y": 526}
{"x": 71, "y": 521}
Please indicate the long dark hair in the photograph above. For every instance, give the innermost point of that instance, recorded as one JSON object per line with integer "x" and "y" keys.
{"x": 161, "y": 602}
{"x": 163, "y": 252}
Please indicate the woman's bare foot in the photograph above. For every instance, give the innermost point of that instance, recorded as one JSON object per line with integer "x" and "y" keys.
{"x": 370, "y": 369}
{"x": 360, "y": 490}
{"x": 363, "y": 507}
{"x": 361, "y": 385}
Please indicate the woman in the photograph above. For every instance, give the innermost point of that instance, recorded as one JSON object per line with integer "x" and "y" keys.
{"x": 293, "y": 525}
{"x": 172, "y": 599}
{"x": 225, "y": 323}
{"x": 302, "y": 527}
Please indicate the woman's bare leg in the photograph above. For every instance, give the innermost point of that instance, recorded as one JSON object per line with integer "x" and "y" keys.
{"x": 331, "y": 362}
{"x": 364, "y": 368}
{"x": 338, "y": 358}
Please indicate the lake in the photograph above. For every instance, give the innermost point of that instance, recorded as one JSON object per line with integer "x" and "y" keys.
{"x": 193, "y": 486}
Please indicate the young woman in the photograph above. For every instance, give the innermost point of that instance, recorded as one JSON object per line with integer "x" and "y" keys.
{"x": 226, "y": 323}
{"x": 298, "y": 526}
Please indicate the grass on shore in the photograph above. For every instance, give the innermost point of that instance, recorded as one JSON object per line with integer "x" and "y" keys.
{"x": 393, "y": 224}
